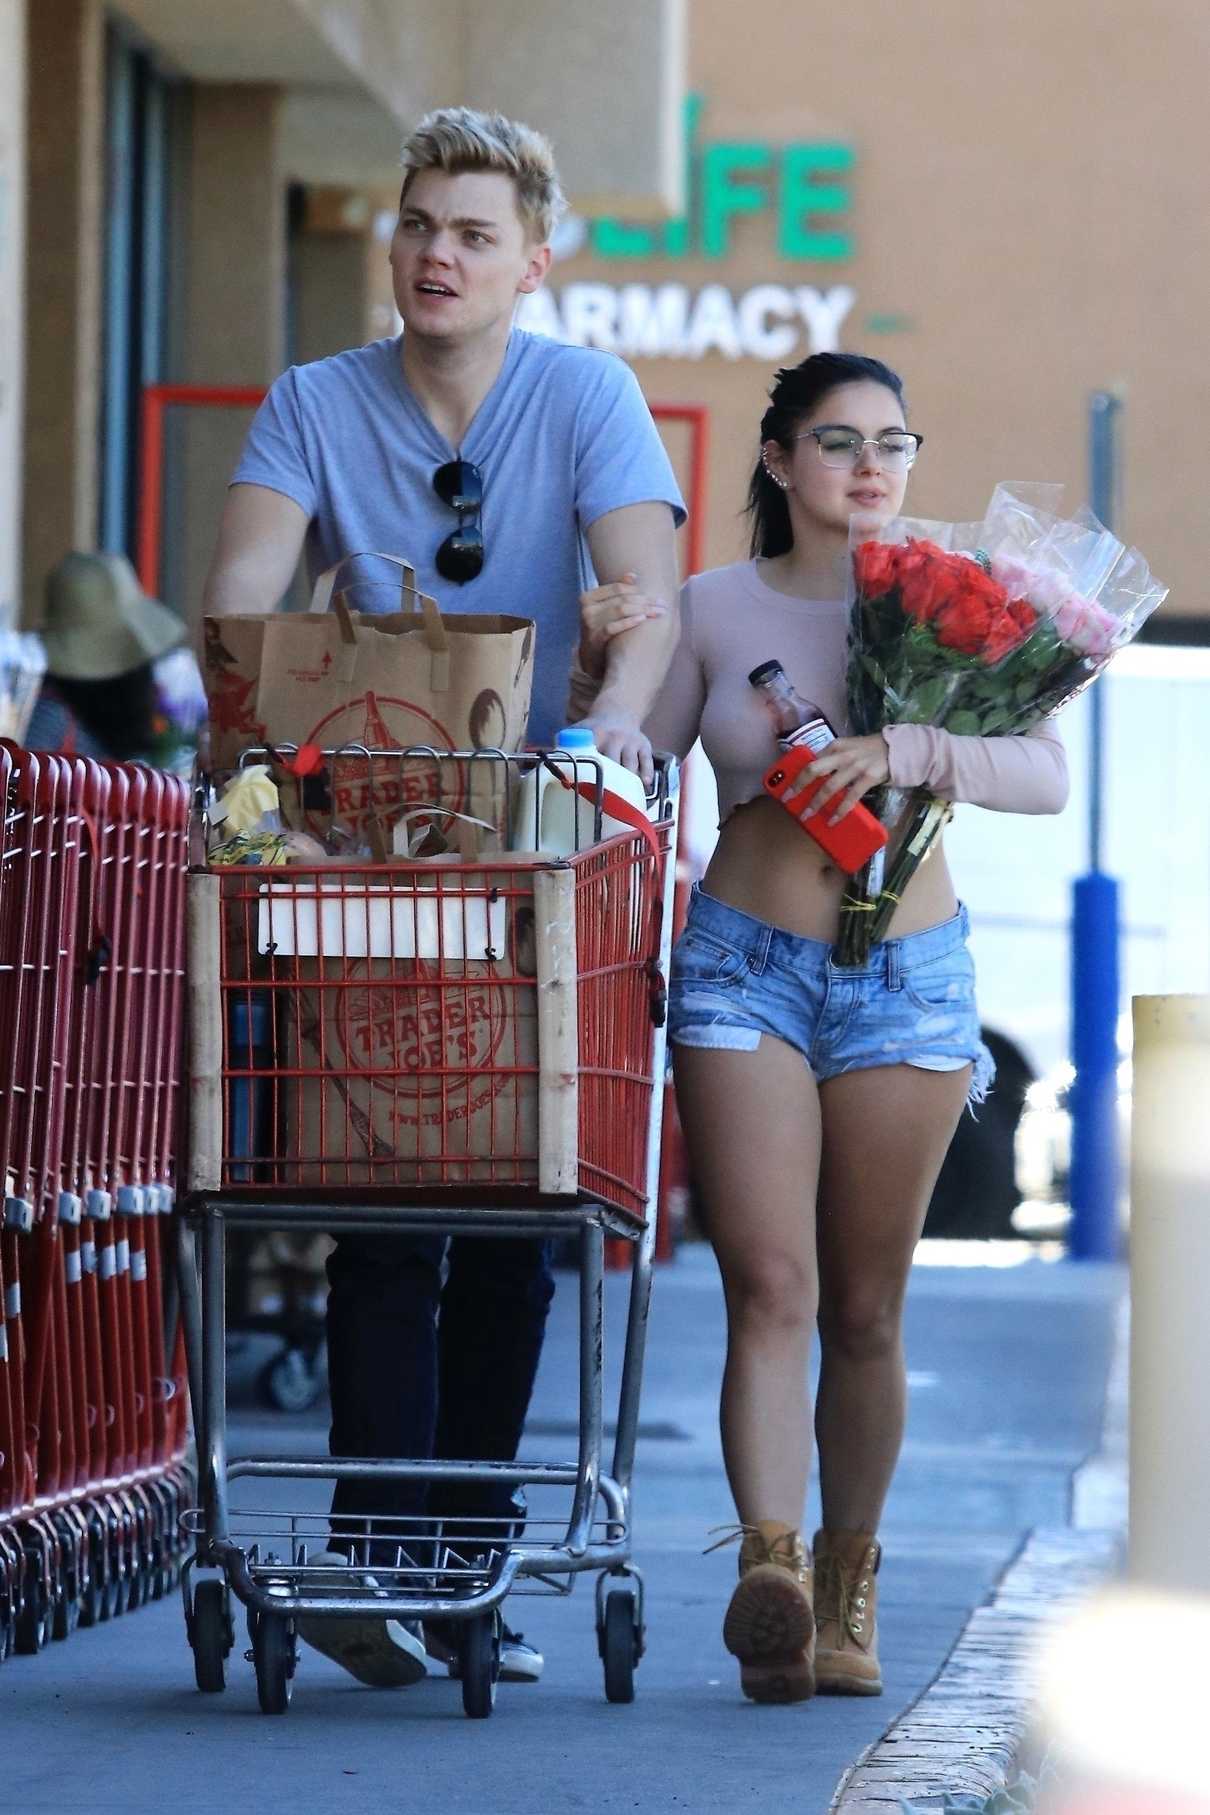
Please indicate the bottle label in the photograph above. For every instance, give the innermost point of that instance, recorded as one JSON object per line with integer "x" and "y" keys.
{"x": 815, "y": 735}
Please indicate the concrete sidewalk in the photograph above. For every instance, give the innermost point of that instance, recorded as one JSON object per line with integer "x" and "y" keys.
{"x": 1009, "y": 1366}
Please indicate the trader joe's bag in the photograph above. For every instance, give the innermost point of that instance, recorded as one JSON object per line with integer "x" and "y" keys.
{"x": 459, "y": 681}
{"x": 410, "y": 1013}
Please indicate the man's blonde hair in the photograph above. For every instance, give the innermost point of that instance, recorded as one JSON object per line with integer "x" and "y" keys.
{"x": 456, "y": 139}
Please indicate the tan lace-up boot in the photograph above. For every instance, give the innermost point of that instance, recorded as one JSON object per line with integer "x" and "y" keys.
{"x": 769, "y": 1625}
{"x": 846, "y": 1596}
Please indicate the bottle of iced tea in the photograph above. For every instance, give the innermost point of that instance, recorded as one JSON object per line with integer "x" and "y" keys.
{"x": 802, "y": 732}
{"x": 795, "y": 719}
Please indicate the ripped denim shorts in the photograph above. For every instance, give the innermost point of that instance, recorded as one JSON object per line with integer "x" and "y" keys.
{"x": 735, "y": 978}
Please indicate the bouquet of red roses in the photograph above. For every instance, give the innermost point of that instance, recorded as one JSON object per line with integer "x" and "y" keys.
{"x": 982, "y": 630}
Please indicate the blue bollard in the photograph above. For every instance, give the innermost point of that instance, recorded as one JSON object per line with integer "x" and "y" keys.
{"x": 1094, "y": 1053}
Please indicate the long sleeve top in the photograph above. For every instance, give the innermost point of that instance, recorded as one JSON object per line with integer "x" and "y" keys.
{"x": 731, "y": 620}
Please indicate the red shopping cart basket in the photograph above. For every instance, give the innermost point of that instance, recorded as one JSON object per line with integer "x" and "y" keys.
{"x": 421, "y": 1025}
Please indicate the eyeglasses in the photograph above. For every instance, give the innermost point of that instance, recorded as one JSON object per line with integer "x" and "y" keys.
{"x": 459, "y": 483}
{"x": 842, "y": 447}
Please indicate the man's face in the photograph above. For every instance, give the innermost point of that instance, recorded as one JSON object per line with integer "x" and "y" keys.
{"x": 461, "y": 255}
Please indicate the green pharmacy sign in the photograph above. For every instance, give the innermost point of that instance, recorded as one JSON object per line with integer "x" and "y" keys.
{"x": 805, "y": 190}
{"x": 805, "y": 185}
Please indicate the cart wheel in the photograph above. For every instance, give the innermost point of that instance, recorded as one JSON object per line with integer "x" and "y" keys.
{"x": 67, "y": 1601}
{"x": 479, "y": 1664}
{"x": 210, "y": 1636}
{"x": 112, "y": 1602}
{"x": 92, "y": 1563}
{"x": 291, "y": 1382}
{"x": 35, "y": 1620}
{"x": 273, "y": 1655}
{"x": 619, "y": 1645}
{"x": 90, "y": 1598}
{"x": 74, "y": 1552}
{"x": 161, "y": 1551}
{"x": 147, "y": 1573}
{"x": 134, "y": 1565}
{"x": 169, "y": 1573}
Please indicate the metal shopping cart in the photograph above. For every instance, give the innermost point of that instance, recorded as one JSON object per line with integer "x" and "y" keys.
{"x": 92, "y": 1424}
{"x": 451, "y": 1046}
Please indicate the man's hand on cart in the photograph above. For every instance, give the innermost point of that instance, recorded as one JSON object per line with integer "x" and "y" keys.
{"x": 618, "y": 734}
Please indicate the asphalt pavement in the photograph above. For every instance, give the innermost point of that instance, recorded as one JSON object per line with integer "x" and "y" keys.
{"x": 1008, "y": 1371}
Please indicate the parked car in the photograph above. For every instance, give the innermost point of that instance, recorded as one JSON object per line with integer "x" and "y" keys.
{"x": 977, "y": 1191}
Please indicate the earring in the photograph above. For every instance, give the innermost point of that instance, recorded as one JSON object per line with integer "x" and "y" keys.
{"x": 776, "y": 478}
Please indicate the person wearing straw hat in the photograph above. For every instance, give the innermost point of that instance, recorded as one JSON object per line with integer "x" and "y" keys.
{"x": 119, "y": 684}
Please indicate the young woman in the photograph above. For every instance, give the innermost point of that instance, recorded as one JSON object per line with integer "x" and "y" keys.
{"x": 817, "y": 1101}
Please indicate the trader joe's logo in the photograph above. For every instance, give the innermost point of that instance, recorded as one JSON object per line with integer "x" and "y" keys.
{"x": 426, "y": 1042}
{"x": 804, "y": 189}
{"x": 384, "y": 787}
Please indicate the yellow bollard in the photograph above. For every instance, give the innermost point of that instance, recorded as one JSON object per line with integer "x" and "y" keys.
{"x": 1170, "y": 1295}
{"x": 1121, "y": 1682}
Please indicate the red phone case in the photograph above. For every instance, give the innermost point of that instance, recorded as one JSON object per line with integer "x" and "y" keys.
{"x": 851, "y": 843}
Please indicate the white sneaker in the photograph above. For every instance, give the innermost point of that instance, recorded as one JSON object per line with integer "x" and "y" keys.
{"x": 384, "y": 1654}
{"x": 519, "y": 1662}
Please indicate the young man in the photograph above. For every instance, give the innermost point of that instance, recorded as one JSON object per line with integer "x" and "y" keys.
{"x": 509, "y": 471}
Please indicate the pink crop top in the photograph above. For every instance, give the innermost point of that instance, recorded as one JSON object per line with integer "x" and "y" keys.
{"x": 731, "y": 621}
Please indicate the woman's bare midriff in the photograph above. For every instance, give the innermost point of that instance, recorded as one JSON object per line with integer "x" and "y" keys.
{"x": 767, "y": 866}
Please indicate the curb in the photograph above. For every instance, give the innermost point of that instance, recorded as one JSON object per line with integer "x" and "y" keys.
{"x": 964, "y": 1735}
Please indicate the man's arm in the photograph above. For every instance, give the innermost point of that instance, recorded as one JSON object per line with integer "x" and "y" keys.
{"x": 638, "y": 540}
{"x": 260, "y": 538}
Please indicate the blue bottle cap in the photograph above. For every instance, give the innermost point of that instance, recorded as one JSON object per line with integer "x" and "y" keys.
{"x": 575, "y": 737}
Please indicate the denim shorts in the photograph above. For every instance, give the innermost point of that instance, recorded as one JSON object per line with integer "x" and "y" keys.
{"x": 735, "y": 978}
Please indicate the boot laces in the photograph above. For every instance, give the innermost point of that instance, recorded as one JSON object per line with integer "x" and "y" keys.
{"x": 732, "y": 1534}
{"x": 834, "y": 1588}
{"x": 785, "y": 1549}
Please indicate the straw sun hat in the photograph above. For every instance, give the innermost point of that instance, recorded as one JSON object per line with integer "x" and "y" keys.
{"x": 99, "y": 622}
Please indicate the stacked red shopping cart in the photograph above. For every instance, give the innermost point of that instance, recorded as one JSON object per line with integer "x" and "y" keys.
{"x": 92, "y": 1403}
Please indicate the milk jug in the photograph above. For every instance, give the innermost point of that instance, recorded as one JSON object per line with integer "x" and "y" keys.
{"x": 557, "y": 820}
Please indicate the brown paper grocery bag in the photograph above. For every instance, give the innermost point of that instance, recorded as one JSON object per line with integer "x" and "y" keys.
{"x": 331, "y": 677}
{"x": 420, "y": 1067}
{"x": 463, "y": 1105}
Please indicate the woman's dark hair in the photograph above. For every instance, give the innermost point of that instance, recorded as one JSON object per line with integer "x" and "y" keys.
{"x": 796, "y": 391}
{"x": 117, "y": 713}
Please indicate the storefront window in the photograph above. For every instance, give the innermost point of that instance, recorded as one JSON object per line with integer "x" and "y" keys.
{"x": 145, "y": 122}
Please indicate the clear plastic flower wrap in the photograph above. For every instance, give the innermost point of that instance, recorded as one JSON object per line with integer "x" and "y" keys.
{"x": 982, "y": 630}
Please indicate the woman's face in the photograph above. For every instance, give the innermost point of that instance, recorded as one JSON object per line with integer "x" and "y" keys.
{"x": 825, "y": 484}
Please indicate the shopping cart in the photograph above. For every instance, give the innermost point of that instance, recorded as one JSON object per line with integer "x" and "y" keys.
{"x": 92, "y": 1433}
{"x": 449, "y": 1046}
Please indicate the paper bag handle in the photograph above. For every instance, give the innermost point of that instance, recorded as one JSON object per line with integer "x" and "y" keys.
{"x": 411, "y": 599}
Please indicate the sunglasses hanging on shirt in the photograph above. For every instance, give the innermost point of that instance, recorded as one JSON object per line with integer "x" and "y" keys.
{"x": 459, "y": 483}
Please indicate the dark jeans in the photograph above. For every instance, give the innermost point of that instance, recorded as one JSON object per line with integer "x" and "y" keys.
{"x": 407, "y": 1381}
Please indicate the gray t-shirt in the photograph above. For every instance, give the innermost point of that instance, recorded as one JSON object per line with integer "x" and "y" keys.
{"x": 563, "y": 436}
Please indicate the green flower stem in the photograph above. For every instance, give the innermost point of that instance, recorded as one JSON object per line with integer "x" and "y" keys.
{"x": 862, "y": 922}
